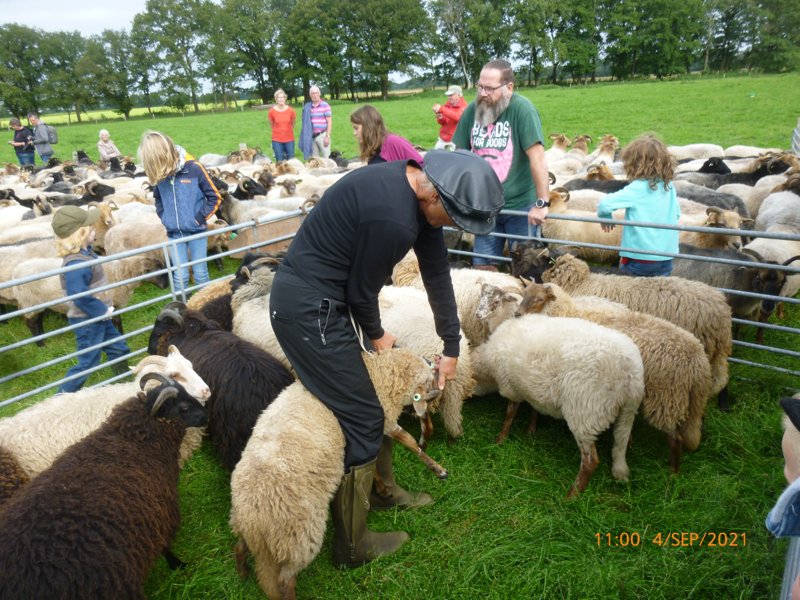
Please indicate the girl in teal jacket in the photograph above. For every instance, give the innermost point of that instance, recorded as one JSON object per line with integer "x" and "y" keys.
{"x": 649, "y": 197}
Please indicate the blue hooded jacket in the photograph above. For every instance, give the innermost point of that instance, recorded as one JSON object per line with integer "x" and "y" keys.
{"x": 186, "y": 199}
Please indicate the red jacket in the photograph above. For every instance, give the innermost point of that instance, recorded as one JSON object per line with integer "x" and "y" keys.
{"x": 448, "y": 117}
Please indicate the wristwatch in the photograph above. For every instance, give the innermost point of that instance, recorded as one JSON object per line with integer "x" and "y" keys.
{"x": 541, "y": 203}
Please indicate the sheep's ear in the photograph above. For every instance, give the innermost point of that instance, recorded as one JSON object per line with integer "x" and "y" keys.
{"x": 172, "y": 349}
{"x": 142, "y": 396}
{"x": 747, "y": 221}
{"x": 512, "y": 297}
{"x": 713, "y": 210}
{"x": 548, "y": 292}
{"x": 525, "y": 282}
{"x": 112, "y": 205}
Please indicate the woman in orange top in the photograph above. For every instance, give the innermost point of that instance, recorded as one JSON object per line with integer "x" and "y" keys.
{"x": 281, "y": 118}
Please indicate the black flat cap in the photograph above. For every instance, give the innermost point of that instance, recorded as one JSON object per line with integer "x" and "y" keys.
{"x": 470, "y": 191}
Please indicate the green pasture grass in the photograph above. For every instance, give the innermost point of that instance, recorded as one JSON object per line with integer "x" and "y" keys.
{"x": 759, "y": 110}
{"x": 500, "y": 526}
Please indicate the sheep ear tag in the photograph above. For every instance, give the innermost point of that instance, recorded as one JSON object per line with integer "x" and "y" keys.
{"x": 420, "y": 405}
{"x": 791, "y": 407}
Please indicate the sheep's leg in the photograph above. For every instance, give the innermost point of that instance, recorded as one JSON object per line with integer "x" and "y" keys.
{"x": 589, "y": 462}
{"x": 780, "y": 312}
{"x": 675, "y": 447}
{"x": 723, "y": 400}
{"x": 288, "y": 588}
{"x": 173, "y": 561}
{"x": 426, "y": 430}
{"x": 117, "y": 321}
{"x": 240, "y": 553}
{"x": 405, "y": 438}
{"x": 36, "y": 326}
{"x": 534, "y": 421}
{"x": 511, "y": 412}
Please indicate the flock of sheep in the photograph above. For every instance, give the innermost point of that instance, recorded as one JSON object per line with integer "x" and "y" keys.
{"x": 594, "y": 349}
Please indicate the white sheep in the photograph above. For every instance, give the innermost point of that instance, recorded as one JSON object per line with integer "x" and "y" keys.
{"x": 695, "y": 151}
{"x": 588, "y": 375}
{"x": 677, "y": 376}
{"x": 293, "y": 463}
{"x": 37, "y": 435}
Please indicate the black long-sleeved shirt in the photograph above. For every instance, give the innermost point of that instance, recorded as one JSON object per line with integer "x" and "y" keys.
{"x": 365, "y": 223}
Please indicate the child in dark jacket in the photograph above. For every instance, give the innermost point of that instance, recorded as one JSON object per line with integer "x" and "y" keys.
{"x": 73, "y": 226}
{"x": 185, "y": 199}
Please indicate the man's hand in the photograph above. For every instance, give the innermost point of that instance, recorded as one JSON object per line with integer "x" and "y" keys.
{"x": 447, "y": 369}
{"x": 607, "y": 227}
{"x": 437, "y": 108}
{"x": 536, "y": 216}
{"x": 384, "y": 343}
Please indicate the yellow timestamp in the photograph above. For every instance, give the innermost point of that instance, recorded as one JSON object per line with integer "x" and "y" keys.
{"x": 673, "y": 539}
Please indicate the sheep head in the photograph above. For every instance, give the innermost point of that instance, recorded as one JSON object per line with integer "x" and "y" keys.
{"x": 529, "y": 259}
{"x": 535, "y": 298}
{"x": 171, "y": 401}
{"x": 176, "y": 367}
{"x": 496, "y": 305}
{"x": 170, "y": 320}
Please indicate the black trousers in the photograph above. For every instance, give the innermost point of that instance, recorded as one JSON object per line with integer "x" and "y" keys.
{"x": 317, "y": 337}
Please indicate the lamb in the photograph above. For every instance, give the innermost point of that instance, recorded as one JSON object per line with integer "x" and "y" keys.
{"x": 94, "y": 523}
{"x": 782, "y": 252}
{"x": 406, "y": 313}
{"x": 294, "y": 461}
{"x": 694, "y": 306}
{"x": 37, "y": 435}
{"x": 589, "y": 375}
{"x": 243, "y": 378}
{"x": 677, "y": 376}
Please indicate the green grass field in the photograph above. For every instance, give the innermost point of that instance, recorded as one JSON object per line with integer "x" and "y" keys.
{"x": 500, "y": 527}
{"x": 757, "y": 110}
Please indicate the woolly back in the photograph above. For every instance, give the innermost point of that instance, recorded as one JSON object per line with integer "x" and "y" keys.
{"x": 568, "y": 272}
{"x": 259, "y": 285}
{"x": 406, "y": 271}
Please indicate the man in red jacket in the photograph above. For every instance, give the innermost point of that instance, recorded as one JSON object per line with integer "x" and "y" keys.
{"x": 447, "y": 115}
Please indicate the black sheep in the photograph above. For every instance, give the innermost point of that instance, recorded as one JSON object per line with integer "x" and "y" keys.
{"x": 243, "y": 378}
{"x": 94, "y": 523}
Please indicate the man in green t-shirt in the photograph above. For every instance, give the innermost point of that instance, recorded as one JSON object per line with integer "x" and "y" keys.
{"x": 504, "y": 128}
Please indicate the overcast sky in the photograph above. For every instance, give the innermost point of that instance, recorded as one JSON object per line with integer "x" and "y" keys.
{"x": 89, "y": 17}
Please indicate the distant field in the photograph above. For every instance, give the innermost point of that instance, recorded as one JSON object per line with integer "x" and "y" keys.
{"x": 757, "y": 110}
{"x": 499, "y": 528}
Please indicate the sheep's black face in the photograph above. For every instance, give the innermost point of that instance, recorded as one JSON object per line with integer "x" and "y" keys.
{"x": 188, "y": 410}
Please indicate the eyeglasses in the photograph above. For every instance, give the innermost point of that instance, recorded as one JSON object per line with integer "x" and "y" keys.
{"x": 487, "y": 89}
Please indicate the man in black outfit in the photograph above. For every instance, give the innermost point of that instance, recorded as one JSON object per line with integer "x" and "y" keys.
{"x": 331, "y": 276}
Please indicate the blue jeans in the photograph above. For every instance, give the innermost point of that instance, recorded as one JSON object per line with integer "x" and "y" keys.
{"x": 90, "y": 335}
{"x": 283, "y": 150}
{"x": 46, "y": 157}
{"x": 510, "y": 224}
{"x": 26, "y": 158}
{"x": 179, "y": 255}
{"x": 659, "y": 268}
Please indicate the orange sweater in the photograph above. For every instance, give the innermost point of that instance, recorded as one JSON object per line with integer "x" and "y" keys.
{"x": 282, "y": 124}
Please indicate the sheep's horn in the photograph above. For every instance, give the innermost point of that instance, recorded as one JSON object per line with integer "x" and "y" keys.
{"x": 155, "y": 376}
{"x": 165, "y": 395}
{"x": 551, "y": 178}
{"x": 791, "y": 260}
{"x": 307, "y": 205}
{"x": 150, "y": 359}
{"x": 753, "y": 253}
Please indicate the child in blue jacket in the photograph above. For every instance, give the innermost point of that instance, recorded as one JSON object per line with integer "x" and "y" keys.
{"x": 185, "y": 199}
{"x": 649, "y": 198}
{"x": 73, "y": 226}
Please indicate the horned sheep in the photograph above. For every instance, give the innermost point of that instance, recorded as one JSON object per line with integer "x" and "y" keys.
{"x": 243, "y": 378}
{"x": 94, "y": 523}
{"x": 37, "y": 435}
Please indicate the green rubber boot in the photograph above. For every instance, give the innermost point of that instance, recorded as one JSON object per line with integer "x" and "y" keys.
{"x": 354, "y": 544}
{"x": 386, "y": 493}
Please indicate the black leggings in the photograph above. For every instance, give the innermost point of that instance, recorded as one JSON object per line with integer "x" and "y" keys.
{"x": 317, "y": 337}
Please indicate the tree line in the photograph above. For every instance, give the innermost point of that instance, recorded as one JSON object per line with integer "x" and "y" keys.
{"x": 351, "y": 46}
